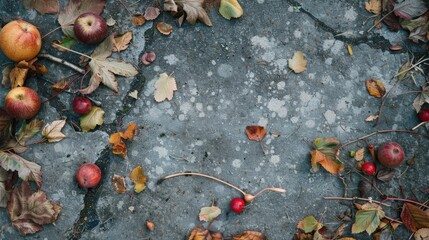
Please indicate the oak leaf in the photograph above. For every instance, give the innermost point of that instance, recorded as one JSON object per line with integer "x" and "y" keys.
{"x": 207, "y": 214}
{"x": 250, "y": 235}
{"x": 414, "y": 217}
{"x": 375, "y": 88}
{"x": 104, "y": 68}
{"x": 118, "y": 183}
{"x": 164, "y": 87}
{"x": 151, "y": 13}
{"x": 325, "y": 153}
{"x": 256, "y": 133}
{"x": 298, "y": 63}
{"x": 92, "y": 119}
{"x": 26, "y": 170}
{"x": 139, "y": 179}
{"x": 122, "y": 42}
{"x": 230, "y": 9}
{"x": 193, "y": 8}
{"x": 368, "y": 218}
{"x": 373, "y": 6}
{"x": 42, "y": 6}
{"x": 29, "y": 210}
{"x": 52, "y": 131}
{"x": 74, "y": 9}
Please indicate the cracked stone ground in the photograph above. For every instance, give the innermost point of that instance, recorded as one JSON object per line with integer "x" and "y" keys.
{"x": 229, "y": 76}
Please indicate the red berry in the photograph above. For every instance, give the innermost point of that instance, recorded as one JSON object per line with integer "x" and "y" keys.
{"x": 368, "y": 168}
{"x": 424, "y": 115}
{"x": 81, "y": 105}
{"x": 237, "y": 205}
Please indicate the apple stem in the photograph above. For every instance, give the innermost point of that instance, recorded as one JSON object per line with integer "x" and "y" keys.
{"x": 62, "y": 61}
{"x": 73, "y": 51}
{"x": 200, "y": 175}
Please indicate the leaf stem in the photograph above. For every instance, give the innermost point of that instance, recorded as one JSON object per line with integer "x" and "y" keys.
{"x": 71, "y": 50}
{"x": 62, "y": 61}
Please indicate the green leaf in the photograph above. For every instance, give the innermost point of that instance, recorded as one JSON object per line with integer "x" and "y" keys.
{"x": 414, "y": 217}
{"x": 65, "y": 42}
{"x": 26, "y": 170}
{"x": 209, "y": 213}
{"x": 27, "y": 131}
{"x": 325, "y": 153}
{"x": 367, "y": 220}
{"x": 230, "y": 9}
{"x": 92, "y": 119}
{"x": 309, "y": 224}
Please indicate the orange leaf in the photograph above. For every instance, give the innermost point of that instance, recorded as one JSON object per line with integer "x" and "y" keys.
{"x": 119, "y": 147}
{"x": 164, "y": 28}
{"x": 138, "y": 20}
{"x": 256, "y": 133}
{"x": 375, "y": 88}
{"x": 373, "y": 6}
{"x": 132, "y": 130}
{"x": 139, "y": 179}
{"x": 325, "y": 153}
{"x": 250, "y": 235}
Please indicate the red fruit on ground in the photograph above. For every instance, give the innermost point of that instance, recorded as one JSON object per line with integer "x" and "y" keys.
{"x": 368, "y": 168}
{"x": 22, "y": 103}
{"x": 237, "y": 205}
{"x": 81, "y": 105}
{"x": 391, "y": 154}
{"x": 88, "y": 175}
{"x": 424, "y": 115}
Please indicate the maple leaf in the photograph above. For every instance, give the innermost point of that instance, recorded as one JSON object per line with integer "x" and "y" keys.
{"x": 104, "y": 68}
{"x": 74, "y": 9}
{"x": 151, "y": 13}
{"x": 29, "y": 210}
{"x": 193, "y": 8}
{"x": 373, "y": 6}
{"x": 52, "y": 131}
{"x": 26, "y": 170}
{"x": 28, "y": 130}
{"x": 92, "y": 119}
{"x": 118, "y": 183}
{"x": 164, "y": 87}
{"x": 207, "y": 214}
{"x": 375, "y": 88}
{"x": 368, "y": 218}
{"x": 138, "y": 178}
{"x": 42, "y": 6}
{"x": 410, "y": 9}
{"x": 422, "y": 98}
{"x": 256, "y": 133}
{"x": 122, "y": 42}
{"x": 324, "y": 153}
{"x": 298, "y": 63}
{"x": 230, "y": 9}
{"x": 414, "y": 217}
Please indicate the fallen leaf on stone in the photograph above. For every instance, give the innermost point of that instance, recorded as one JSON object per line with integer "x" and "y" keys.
{"x": 138, "y": 178}
{"x": 65, "y": 42}
{"x": 199, "y": 233}
{"x": 193, "y": 8}
{"x": 118, "y": 146}
{"x": 371, "y": 118}
{"x": 26, "y": 170}
{"x": 422, "y": 234}
{"x": 104, "y": 68}
{"x": 164, "y": 87}
{"x": 298, "y": 63}
{"x": 413, "y": 217}
{"x": 5, "y": 81}
{"x": 303, "y": 236}
{"x": 368, "y": 218}
{"x": 325, "y": 153}
{"x": 230, "y": 9}
{"x": 19, "y": 73}
{"x": 5, "y": 127}
{"x": 28, "y": 130}
{"x": 148, "y": 57}
{"x": 138, "y": 20}
{"x": 29, "y": 210}
{"x": 52, "y": 131}
{"x": 207, "y": 214}
{"x": 350, "y": 49}
{"x": 309, "y": 224}
{"x": 359, "y": 154}
{"x": 256, "y": 133}
{"x": 118, "y": 183}
{"x": 164, "y": 28}
{"x": 4, "y": 195}
{"x": 375, "y": 88}
{"x": 364, "y": 188}
{"x": 134, "y": 94}
{"x": 74, "y": 9}
{"x": 410, "y": 9}
{"x": 385, "y": 174}
{"x": 42, "y": 6}
{"x": 250, "y": 235}
{"x": 60, "y": 86}
{"x": 92, "y": 119}
{"x": 110, "y": 22}
{"x": 122, "y": 42}
{"x": 131, "y": 131}
{"x": 151, "y": 13}
{"x": 373, "y": 6}
{"x": 422, "y": 98}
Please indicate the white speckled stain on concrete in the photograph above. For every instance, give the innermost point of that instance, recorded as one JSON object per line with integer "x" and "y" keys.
{"x": 171, "y": 59}
{"x": 278, "y": 107}
{"x": 330, "y": 116}
{"x": 350, "y": 14}
{"x": 225, "y": 70}
{"x": 162, "y": 152}
{"x": 236, "y": 163}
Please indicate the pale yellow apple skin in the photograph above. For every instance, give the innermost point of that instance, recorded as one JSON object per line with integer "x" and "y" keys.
{"x": 20, "y": 40}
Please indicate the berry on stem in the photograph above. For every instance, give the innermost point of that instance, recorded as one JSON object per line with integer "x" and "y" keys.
{"x": 368, "y": 168}
{"x": 237, "y": 205}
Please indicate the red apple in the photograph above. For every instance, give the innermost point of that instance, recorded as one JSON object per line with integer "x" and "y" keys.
{"x": 22, "y": 103}
{"x": 391, "y": 154}
{"x": 81, "y": 105}
{"x": 90, "y": 28}
{"x": 20, "y": 40}
{"x": 88, "y": 175}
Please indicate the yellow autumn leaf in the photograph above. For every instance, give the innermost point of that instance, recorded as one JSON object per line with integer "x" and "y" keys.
{"x": 122, "y": 42}
{"x": 375, "y": 88}
{"x": 164, "y": 87}
{"x": 298, "y": 63}
{"x": 138, "y": 178}
{"x": 373, "y": 6}
{"x": 230, "y": 9}
{"x": 92, "y": 119}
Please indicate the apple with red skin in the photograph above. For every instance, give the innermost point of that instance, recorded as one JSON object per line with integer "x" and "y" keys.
{"x": 424, "y": 115}
{"x": 391, "y": 154}
{"x": 88, "y": 175}
{"x": 81, "y": 105}
{"x": 22, "y": 103}
{"x": 90, "y": 28}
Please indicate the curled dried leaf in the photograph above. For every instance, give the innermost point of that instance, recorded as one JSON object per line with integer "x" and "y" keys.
{"x": 164, "y": 28}
{"x": 118, "y": 183}
{"x": 148, "y": 57}
{"x": 373, "y": 6}
{"x": 256, "y": 133}
{"x": 364, "y": 187}
{"x": 139, "y": 179}
{"x": 110, "y": 22}
{"x": 122, "y": 42}
{"x": 375, "y": 88}
{"x": 138, "y": 19}
{"x": 385, "y": 174}
{"x": 151, "y": 13}
{"x": 359, "y": 154}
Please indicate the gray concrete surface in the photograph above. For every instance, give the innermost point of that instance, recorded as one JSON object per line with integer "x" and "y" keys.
{"x": 228, "y": 76}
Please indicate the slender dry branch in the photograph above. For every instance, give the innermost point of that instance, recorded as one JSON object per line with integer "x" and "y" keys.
{"x": 356, "y": 198}
{"x": 63, "y": 62}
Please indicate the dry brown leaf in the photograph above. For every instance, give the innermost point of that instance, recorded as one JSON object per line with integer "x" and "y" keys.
{"x": 164, "y": 28}
{"x": 373, "y": 6}
{"x": 42, "y": 6}
{"x": 256, "y": 133}
{"x": 131, "y": 131}
{"x": 118, "y": 183}
{"x": 5, "y": 81}
{"x": 139, "y": 179}
{"x": 359, "y": 154}
{"x": 375, "y": 88}
{"x": 422, "y": 234}
{"x": 199, "y": 233}
{"x": 110, "y": 22}
{"x": 151, "y": 13}
{"x": 52, "y": 131}
{"x": 371, "y": 118}
{"x": 164, "y": 87}
{"x": 193, "y": 8}
{"x": 138, "y": 20}
{"x": 122, "y": 42}
{"x": 298, "y": 63}
{"x": 118, "y": 146}
{"x": 60, "y": 86}
{"x": 250, "y": 235}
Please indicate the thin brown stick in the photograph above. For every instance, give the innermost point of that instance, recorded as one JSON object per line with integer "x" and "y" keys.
{"x": 63, "y": 62}
{"x": 356, "y": 198}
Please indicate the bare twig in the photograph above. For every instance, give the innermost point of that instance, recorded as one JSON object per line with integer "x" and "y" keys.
{"x": 62, "y": 61}
{"x": 419, "y": 125}
{"x": 356, "y": 198}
